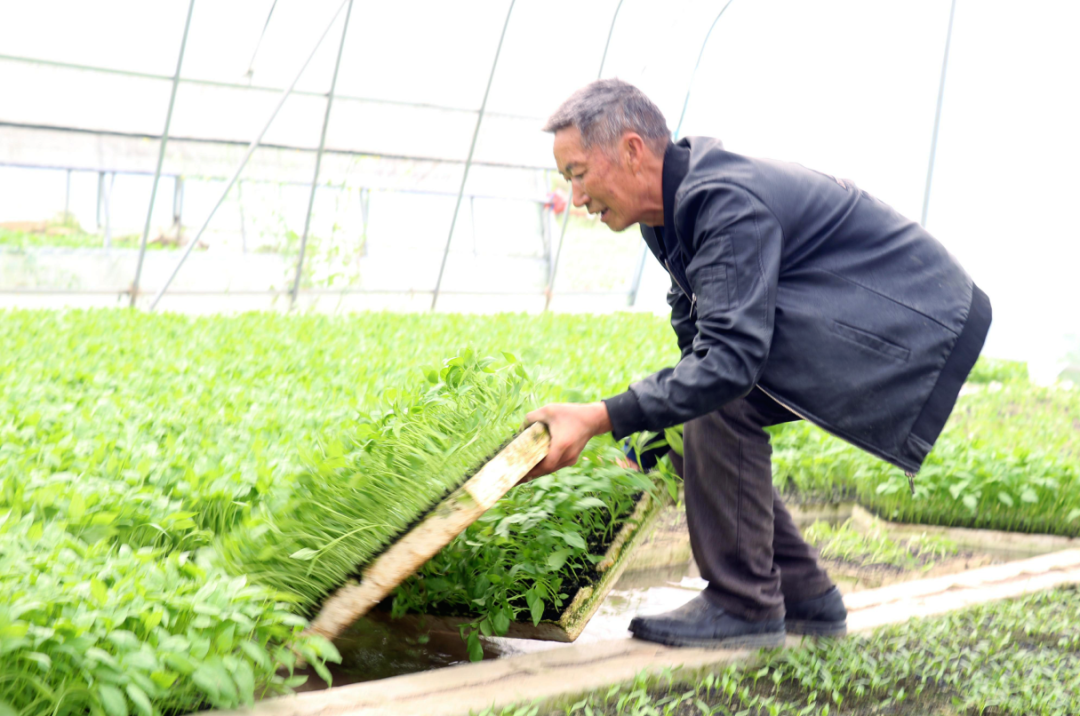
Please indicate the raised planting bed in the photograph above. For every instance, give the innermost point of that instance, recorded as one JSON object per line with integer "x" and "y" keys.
{"x": 999, "y": 542}
{"x": 861, "y": 555}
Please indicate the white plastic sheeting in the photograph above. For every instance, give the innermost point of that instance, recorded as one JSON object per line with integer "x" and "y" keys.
{"x": 844, "y": 86}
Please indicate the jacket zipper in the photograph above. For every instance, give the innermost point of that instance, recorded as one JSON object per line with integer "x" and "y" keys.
{"x": 688, "y": 294}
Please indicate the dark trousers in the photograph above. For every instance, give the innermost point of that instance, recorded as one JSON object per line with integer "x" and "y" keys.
{"x": 743, "y": 538}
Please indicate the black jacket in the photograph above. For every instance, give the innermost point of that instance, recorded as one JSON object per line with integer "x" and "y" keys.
{"x": 831, "y": 302}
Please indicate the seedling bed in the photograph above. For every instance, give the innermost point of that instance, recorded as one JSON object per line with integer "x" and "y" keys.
{"x": 585, "y": 597}
{"x": 431, "y": 533}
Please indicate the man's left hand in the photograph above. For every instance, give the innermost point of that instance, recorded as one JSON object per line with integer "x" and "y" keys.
{"x": 570, "y": 425}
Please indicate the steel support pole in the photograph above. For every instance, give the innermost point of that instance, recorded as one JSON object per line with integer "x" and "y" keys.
{"x": 686, "y": 100}
{"x": 244, "y": 160}
{"x": 318, "y": 161}
{"x": 243, "y": 223}
{"x": 937, "y": 117}
{"x": 468, "y": 159}
{"x": 97, "y": 205}
{"x": 635, "y": 284}
{"x": 610, "y": 32}
{"x": 107, "y": 183}
{"x": 550, "y": 290}
{"x": 161, "y": 158}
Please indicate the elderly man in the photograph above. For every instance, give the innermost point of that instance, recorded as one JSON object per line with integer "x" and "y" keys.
{"x": 794, "y": 295}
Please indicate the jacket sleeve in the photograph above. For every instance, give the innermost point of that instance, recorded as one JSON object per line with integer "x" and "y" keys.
{"x": 736, "y": 243}
{"x": 682, "y": 322}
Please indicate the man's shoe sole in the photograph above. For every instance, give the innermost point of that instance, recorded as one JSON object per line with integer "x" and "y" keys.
{"x": 816, "y": 628}
{"x": 743, "y": 641}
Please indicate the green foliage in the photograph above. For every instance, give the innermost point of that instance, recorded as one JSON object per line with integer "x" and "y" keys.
{"x": 991, "y": 370}
{"x": 1020, "y": 657}
{"x": 1008, "y": 459}
{"x": 525, "y": 558}
{"x": 847, "y": 544}
{"x": 385, "y": 470}
{"x": 89, "y": 628}
{"x": 129, "y": 443}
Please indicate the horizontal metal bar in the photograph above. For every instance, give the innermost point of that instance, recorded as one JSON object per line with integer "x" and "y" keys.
{"x": 285, "y": 292}
{"x": 197, "y": 177}
{"x": 239, "y": 143}
{"x": 257, "y": 88}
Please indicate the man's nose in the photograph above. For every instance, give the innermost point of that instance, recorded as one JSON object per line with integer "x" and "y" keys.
{"x": 580, "y": 197}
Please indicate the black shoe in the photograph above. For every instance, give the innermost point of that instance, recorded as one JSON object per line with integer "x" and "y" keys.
{"x": 820, "y": 616}
{"x": 698, "y": 623}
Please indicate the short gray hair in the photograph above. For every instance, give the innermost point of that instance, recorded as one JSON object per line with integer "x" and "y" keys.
{"x": 604, "y": 109}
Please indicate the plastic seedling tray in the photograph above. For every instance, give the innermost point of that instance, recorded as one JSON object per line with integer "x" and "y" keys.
{"x": 583, "y": 606}
{"x": 445, "y": 521}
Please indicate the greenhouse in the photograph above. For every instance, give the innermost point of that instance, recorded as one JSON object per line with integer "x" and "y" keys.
{"x": 340, "y": 373}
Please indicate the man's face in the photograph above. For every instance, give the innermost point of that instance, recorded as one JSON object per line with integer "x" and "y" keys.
{"x": 598, "y": 181}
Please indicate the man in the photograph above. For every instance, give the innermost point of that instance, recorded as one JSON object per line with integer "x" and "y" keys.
{"x": 793, "y": 295}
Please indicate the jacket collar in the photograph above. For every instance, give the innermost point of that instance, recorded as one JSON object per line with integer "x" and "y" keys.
{"x": 663, "y": 242}
{"x": 676, "y": 166}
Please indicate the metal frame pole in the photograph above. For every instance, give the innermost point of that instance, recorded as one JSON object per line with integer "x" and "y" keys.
{"x": 247, "y": 155}
{"x": 635, "y": 284}
{"x": 243, "y": 223}
{"x": 318, "y": 161}
{"x": 550, "y": 290}
{"x": 610, "y": 32}
{"x": 937, "y": 117}
{"x": 97, "y": 204}
{"x": 107, "y": 190}
{"x": 161, "y": 158}
{"x": 67, "y": 199}
{"x": 468, "y": 159}
{"x": 686, "y": 100}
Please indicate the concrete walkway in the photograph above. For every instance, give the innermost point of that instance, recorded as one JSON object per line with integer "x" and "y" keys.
{"x": 457, "y": 690}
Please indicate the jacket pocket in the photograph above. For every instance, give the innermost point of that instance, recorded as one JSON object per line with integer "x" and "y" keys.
{"x": 713, "y": 290}
{"x": 871, "y": 341}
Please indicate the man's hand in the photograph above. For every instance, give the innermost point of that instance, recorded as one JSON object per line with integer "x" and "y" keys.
{"x": 570, "y": 425}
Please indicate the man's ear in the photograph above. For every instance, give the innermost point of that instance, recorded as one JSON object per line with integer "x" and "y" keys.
{"x": 633, "y": 151}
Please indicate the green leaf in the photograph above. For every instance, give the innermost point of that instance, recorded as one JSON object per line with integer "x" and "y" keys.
{"x": 970, "y": 502}
{"x": 674, "y": 439}
{"x": 475, "y": 648}
{"x": 574, "y": 539}
{"x": 76, "y": 508}
{"x": 112, "y": 700}
{"x": 557, "y": 559}
{"x": 256, "y": 653}
{"x": 140, "y": 699}
{"x": 1005, "y": 498}
{"x": 536, "y": 606}
{"x": 99, "y": 591}
{"x": 245, "y": 682}
{"x": 501, "y": 622}
{"x": 304, "y": 554}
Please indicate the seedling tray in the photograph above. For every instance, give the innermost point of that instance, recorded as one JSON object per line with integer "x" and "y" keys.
{"x": 583, "y": 606}
{"x": 442, "y": 524}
